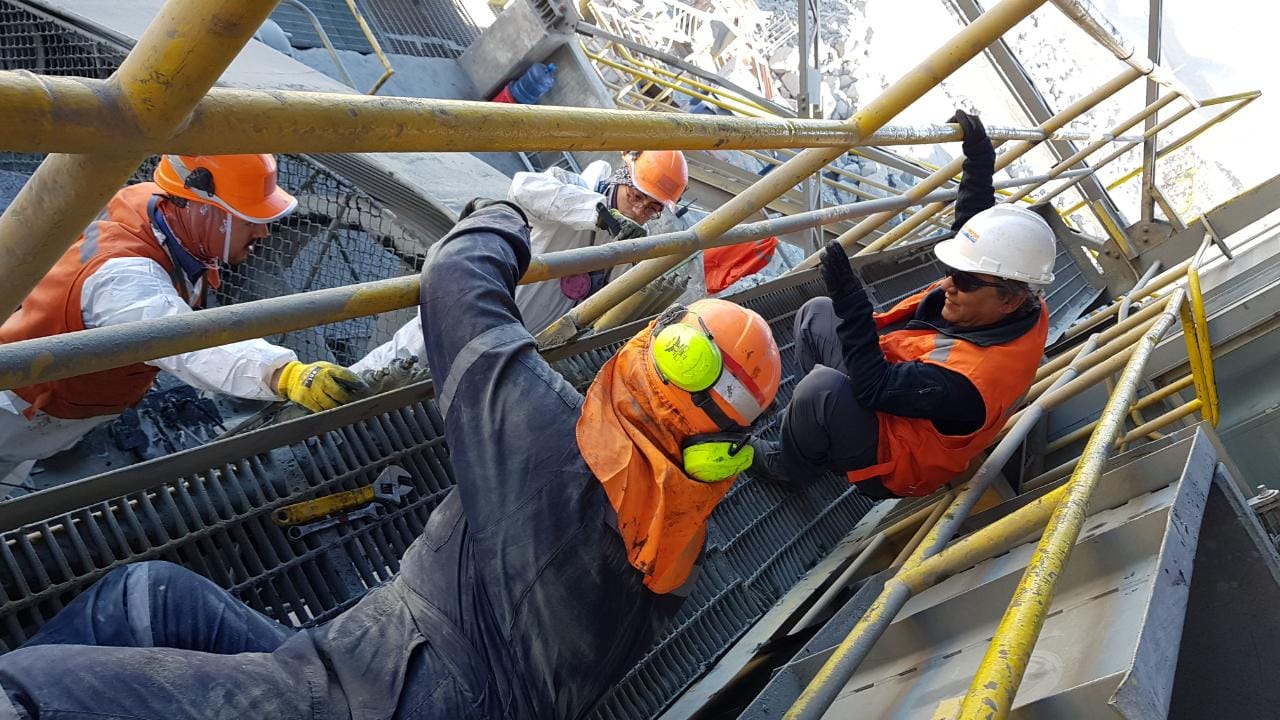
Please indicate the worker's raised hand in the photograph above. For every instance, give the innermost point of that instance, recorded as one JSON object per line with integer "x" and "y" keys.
{"x": 837, "y": 273}
{"x": 320, "y": 385}
{"x": 976, "y": 141}
{"x": 627, "y": 228}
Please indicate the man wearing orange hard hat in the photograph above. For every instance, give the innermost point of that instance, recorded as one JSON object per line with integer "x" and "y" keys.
{"x": 571, "y": 539}
{"x": 569, "y": 210}
{"x": 155, "y": 251}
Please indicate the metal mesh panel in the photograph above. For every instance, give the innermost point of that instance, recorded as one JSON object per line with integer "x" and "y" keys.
{"x": 423, "y": 28}
{"x": 217, "y": 521}
{"x": 338, "y": 236}
{"x": 31, "y": 41}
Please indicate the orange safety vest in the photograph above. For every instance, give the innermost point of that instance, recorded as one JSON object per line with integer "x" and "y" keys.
{"x": 913, "y": 457}
{"x": 53, "y": 307}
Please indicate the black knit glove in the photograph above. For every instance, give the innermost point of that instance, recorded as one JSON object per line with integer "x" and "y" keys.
{"x": 976, "y": 141}
{"x": 837, "y": 273}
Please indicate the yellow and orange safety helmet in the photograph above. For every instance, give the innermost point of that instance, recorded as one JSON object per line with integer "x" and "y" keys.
{"x": 718, "y": 361}
{"x": 243, "y": 185}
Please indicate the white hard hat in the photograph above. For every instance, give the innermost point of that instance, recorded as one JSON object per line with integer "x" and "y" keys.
{"x": 1006, "y": 241}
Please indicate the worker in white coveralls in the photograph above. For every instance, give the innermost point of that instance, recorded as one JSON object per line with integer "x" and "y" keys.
{"x": 564, "y": 211}
{"x": 154, "y": 251}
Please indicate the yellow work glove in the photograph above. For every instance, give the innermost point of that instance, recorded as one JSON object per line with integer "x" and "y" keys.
{"x": 320, "y": 385}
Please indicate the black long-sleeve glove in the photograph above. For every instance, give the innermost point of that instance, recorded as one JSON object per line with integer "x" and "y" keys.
{"x": 977, "y": 192}
{"x": 859, "y": 341}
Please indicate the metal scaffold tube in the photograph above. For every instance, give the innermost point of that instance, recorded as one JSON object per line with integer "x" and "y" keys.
{"x": 1120, "y": 151}
{"x": 994, "y": 686}
{"x": 1094, "y": 147}
{"x": 1084, "y": 15}
{"x": 937, "y": 66}
{"x": 178, "y": 58}
{"x": 849, "y": 654}
{"x": 61, "y": 114}
{"x": 49, "y": 358}
{"x": 1241, "y": 101}
{"x": 1007, "y": 158}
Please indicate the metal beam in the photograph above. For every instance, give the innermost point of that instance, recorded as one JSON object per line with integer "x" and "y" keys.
{"x": 1033, "y": 103}
{"x": 59, "y": 356}
{"x": 1096, "y": 26}
{"x": 1154, "y": 24}
{"x": 178, "y": 58}
{"x": 59, "y": 114}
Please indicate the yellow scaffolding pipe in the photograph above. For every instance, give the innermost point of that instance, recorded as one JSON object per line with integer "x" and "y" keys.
{"x": 939, "y": 64}
{"x": 178, "y": 58}
{"x": 1120, "y": 151}
{"x": 1144, "y": 402}
{"x": 1090, "y": 149}
{"x": 62, "y": 114}
{"x": 994, "y": 686}
{"x": 1004, "y": 160}
{"x": 1242, "y": 100}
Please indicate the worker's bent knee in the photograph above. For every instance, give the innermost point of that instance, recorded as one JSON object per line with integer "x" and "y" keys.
{"x": 822, "y": 386}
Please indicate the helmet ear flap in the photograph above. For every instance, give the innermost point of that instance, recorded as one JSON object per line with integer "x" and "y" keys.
{"x": 686, "y": 357}
{"x": 716, "y": 457}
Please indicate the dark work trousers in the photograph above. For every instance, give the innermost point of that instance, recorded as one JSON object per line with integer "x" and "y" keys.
{"x": 825, "y": 427}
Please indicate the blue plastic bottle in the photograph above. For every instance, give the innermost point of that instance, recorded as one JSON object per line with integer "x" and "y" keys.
{"x": 529, "y": 88}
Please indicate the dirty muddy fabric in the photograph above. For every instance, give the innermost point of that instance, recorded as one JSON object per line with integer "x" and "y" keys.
{"x": 517, "y": 601}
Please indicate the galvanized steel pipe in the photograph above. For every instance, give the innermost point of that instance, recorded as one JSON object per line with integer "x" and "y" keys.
{"x": 178, "y": 58}
{"x": 936, "y": 66}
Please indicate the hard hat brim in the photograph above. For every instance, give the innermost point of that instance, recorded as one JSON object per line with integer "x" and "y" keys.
{"x": 950, "y": 255}
{"x": 276, "y": 205}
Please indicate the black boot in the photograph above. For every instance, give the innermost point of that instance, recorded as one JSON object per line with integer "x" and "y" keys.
{"x": 769, "y": 466}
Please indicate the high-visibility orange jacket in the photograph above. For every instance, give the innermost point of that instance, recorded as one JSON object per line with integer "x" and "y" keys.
{"x": 914, "y": 458}
{"x": 54, "y": 307}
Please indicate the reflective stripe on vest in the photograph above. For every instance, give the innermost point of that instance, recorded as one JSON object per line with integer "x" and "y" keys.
{"x": 54, "y": 307}
{"x": 914, "y": 458}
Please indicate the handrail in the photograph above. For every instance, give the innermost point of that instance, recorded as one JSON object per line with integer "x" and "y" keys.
{"x": 1000, "y": 673}
{"x": 1241, "y": 100}
{"x": 387, "y": 70}
{"x": 817, "y": 697}
{"x": 324, "y": 40}
{"x": 42, "y": 359}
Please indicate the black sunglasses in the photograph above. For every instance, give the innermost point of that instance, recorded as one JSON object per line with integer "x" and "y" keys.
{"x": 968, "y": 282}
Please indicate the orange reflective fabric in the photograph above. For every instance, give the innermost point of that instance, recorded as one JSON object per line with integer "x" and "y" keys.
{"x": 914, "y": 458}
{"x": 629, "y": 433}
{"x": 53, "y": 307}
{"x": 724, "y": 266}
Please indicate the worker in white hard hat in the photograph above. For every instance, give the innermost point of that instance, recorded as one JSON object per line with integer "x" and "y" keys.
{"x": 900, "y": 402}
{"x": 154, "y": 252}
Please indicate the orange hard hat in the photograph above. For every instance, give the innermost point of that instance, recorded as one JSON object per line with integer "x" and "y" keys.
{"x": 740, "y": 374}
{"x": 661, "y": 174}
{"x": 243, "y": 185}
